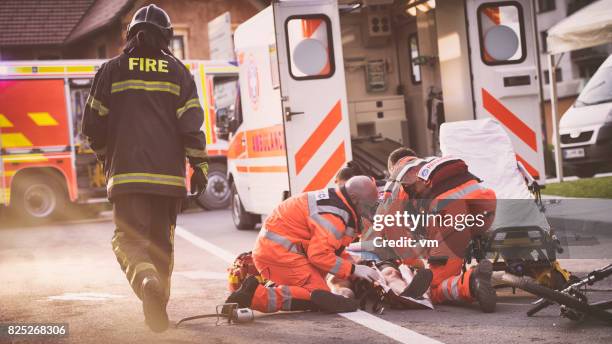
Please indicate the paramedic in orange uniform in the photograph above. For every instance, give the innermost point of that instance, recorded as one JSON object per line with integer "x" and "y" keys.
{"x": 444, "y": 186}
{"x": 301, "y": 242}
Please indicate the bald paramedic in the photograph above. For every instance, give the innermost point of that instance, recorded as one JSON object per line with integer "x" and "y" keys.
{"x": 301, "y": 242}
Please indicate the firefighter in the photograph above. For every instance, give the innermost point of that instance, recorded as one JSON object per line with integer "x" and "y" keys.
{"x": 142, "y": 119}
{"x": 303, "y": 240}
{"x": 444, "y": 186}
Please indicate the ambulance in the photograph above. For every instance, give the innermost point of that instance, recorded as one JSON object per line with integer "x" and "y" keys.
{"x": 322, "y": 82}
{"x": 44, "y": 162}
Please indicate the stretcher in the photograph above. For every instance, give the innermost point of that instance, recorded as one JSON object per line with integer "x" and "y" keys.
{"x": 520, "y": 240}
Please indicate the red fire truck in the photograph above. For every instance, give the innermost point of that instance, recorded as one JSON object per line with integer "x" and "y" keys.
{"x": 44, "y": 163}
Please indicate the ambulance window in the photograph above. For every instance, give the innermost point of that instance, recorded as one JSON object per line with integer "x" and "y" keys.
{"x": 309, "y": 46}
{"x": 501, "y": 31}
{"x": 413, "y": 53}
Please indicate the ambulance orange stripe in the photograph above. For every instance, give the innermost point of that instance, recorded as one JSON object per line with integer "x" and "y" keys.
{"x": 329, "y": 170}
{"x": 529, "y": 168}
{"x": 262, "y": 169}
{"x": 309, "y": 26}
{"x": 509, "y": 119}
{"x": 318, "y": 137}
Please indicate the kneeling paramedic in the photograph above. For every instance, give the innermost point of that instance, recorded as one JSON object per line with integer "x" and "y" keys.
{"x": 444, "y": 186}
{"x": 142, "y": 118}
{"x": 301, "y": 242}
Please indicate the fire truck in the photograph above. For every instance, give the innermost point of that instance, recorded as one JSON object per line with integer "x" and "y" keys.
{"x": 326, "y": 82}
{"x": 45, "y": 165}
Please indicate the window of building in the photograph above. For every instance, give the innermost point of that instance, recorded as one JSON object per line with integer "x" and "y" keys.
{"x": 501, "y": 30}
{"x": 413, "y": 53}
{"x": 558, "y": 75}
{"x": 102, "y": 51}
{"x": 177, "y": 46}
{"x": 546, "y": 5}
{"x": 309, "y": 46}
{"x": 543, "y": 44}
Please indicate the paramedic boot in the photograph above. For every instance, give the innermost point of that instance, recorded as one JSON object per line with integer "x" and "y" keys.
{"x": 244, "y": 295}
{"x": 419, "y": 285}
{"x": 481, "y": 288}
{"x": 329, "y": 302}
{"x": 153, "y": 304}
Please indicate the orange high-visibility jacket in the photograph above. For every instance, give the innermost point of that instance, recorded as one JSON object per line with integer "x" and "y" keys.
{"x": 310, "y": 228}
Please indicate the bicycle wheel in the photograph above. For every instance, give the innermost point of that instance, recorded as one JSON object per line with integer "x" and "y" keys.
{"x": 562, "y": 298}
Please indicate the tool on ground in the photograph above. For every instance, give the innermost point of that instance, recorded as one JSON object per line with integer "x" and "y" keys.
{"x": 229, "y": 311}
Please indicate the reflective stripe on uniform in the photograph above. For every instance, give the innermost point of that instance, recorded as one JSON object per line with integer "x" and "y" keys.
{"x": 97, "y": 106}
{"x": 443, "y": 202}
{"x": 281, "y": 240}
{"x": 286, "y": 294}
{"x": 162, "y": 86}
{"x": 271, "y": 300}
{"x": 455, "y": 288}
{"x": 320, "y": 220}
{"x": 349, "y": 232}
{"x": 336, "y": 268}
{"x": 334, "y": 210}
{"x": 150, "y": 178}
{"x": 196, "y": 153}
{"x": 190, "y": 104}
{"x": 445, "y": 289}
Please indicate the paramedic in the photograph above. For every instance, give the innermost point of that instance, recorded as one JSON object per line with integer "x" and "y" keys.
{"x": 142, "y": 119}
{"x": 444, "y": 186}
{"x": 303, "y": 240}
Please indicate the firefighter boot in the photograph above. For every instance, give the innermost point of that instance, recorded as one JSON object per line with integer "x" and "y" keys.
{"x": 244, "y": 295}
{"x": 419, "y": 284}
{"x": 153, "y": 304}
{"x": 329, "y": 302}
{"x": 481, "y": 288}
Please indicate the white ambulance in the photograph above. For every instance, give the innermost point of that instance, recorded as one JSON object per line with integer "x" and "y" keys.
{"x": 324, "y": 82}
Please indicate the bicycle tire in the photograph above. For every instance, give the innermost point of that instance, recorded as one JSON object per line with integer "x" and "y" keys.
{"x": 563, "y": 299}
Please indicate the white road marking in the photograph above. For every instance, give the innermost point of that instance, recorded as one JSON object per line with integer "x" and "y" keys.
{"x": 384, "y": 327}
{"x": 215, "y": 250}
{"x": 202, "y": 275}
{"x": 84, "y": 297}
{"x": 389, "y": 329}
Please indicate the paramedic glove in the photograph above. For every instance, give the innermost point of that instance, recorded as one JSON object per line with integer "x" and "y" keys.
{"x": 367, "y": 273}
{"x": 199, "y": 178}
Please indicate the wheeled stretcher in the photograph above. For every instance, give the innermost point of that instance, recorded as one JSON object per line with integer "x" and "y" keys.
{"x": 520, "y": 240}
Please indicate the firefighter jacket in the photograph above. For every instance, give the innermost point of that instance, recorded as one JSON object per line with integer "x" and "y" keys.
{"x": 142, "y": 118}
{"x": 310, "y": 228}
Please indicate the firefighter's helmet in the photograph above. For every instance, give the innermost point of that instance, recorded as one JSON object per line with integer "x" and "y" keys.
{"x": 154, "y": 16}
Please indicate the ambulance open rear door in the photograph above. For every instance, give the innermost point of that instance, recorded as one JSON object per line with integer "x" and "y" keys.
{"x": 313, "y": 91}
{"x": 504, "y": 60}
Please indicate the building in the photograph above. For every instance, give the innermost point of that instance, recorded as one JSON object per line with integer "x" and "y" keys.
{"x": 83, "y": 29}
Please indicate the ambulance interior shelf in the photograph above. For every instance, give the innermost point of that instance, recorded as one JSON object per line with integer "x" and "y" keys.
{"x": 370, "y": 154}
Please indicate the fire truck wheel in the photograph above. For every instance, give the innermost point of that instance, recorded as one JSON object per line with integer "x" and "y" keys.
{"x": 217, "y": 194}
{"x": 39, "y": 198}
{"x": 242, "y": 219}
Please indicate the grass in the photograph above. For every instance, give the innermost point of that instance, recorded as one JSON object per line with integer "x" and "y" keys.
{"x": 587, "y": 188}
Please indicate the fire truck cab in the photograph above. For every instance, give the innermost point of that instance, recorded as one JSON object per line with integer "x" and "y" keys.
{"x": 45, "y": 164}
{"x": 319, "y": 78}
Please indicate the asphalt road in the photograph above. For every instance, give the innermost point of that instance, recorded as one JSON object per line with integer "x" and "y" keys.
{"x": 67, "y": 273}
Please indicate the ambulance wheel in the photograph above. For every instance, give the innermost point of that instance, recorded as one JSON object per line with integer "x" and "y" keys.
{"x": 243, "y": 220}
{"x": 217, "y": 194}
{"x": 38, "y": 198}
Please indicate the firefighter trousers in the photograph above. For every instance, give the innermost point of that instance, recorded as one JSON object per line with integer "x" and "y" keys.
{"x": 293, "y": 285}
{"x": 144, "y": 237}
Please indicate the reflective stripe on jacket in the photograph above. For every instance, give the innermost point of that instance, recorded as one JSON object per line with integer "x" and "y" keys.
{"x": 310, "y": 228}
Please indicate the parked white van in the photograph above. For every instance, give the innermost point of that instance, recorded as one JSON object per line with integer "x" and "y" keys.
{"x": 586, "y": 128}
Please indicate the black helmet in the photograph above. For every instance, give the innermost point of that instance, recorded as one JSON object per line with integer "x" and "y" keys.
{"x": 153, "y": 16}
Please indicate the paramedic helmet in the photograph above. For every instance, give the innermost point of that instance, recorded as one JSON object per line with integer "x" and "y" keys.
{"x": 151, "y": 16}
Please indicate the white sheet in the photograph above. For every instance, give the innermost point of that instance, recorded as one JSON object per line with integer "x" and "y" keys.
{"x": 485, "y": 146}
